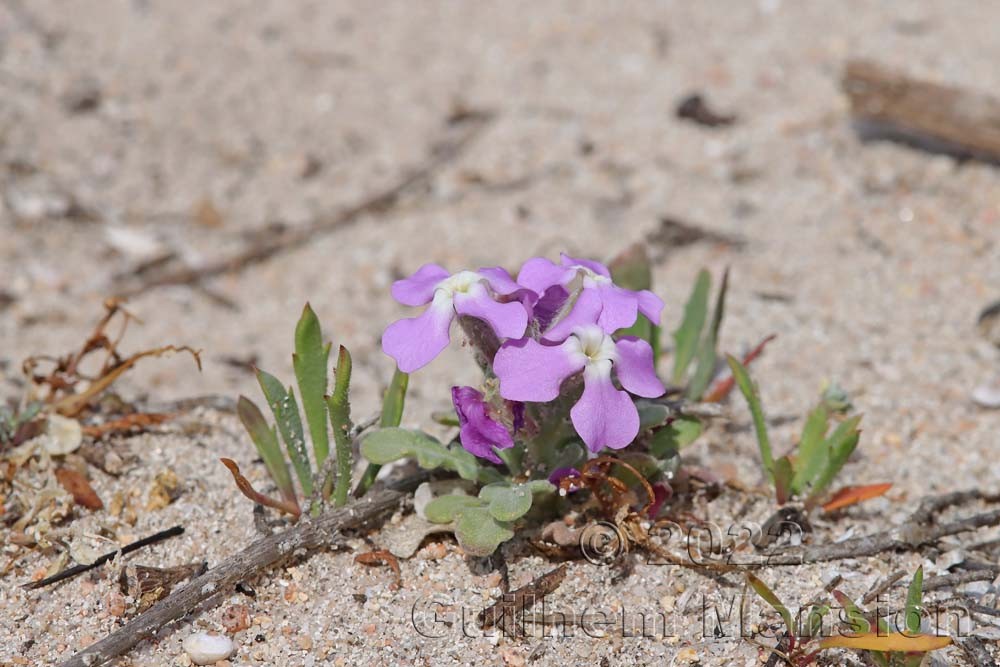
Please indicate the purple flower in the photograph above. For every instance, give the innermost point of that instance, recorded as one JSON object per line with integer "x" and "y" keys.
{"x": 559, "y": 474}
{"x": 604, "y": 416}
{"x": 600, "y": 301}
{"x": 479, "y": 432}
{"x": 414, "y": 342}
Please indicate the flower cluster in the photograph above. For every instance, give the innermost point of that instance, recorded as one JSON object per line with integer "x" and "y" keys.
{"x": 554, "y": 322}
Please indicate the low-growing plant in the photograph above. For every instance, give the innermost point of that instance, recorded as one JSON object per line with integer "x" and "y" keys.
{"x": 805, "y": 474}
{"x": 318, "y": 481}
{"x": 882, "y": 643}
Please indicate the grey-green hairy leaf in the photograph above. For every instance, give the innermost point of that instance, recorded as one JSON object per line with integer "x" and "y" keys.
{"x": 679, "y": 433}
{"x": 479, "y": 532}
{"x": 310, "y": 362}
{"x": 506, "y": 502}
{"x": 286, "y": 414}
{"x": 265, "y": 439}
{"x": 444, "y": 509}
{"x": 386, "y": 445}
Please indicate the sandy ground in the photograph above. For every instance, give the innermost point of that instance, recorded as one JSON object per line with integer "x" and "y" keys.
{"x": 120, "y": 120}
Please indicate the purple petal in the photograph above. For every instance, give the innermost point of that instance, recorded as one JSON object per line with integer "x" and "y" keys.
{"x": 635, "y": 368}
{"x": 604, "y": 416}
{"x": 500, "y": 280}
{"x": 419, "y": 288}
{"x": 560, "y": 474}
{"x": 547, "y": 305}
{"x": 415, "y": 341}
{"x": 586, "y": 310}
{"x": 650, "y": 305}
{"x": 596, "y": 267}
{"x": 479, "y": 433}
{"x": 620, "y": 307}
{"x": 530, "y": 371}
{"x": 509, "y": 320}
{"x": 538, "y": 274}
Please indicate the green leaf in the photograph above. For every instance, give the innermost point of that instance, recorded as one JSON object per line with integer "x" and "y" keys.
{"x": 914, "y": 601}
{"x": 749, "y": 390}
{"x": 783, "y": 479}
{"x": 265, "y": 439}
{"x": 386, "y": 445}
{"x": 394, "y": 399}
{"x": 679, "y": 433}
{"x": 339, "y": 406}
{"x": 762, "y": 590}
{"x": 839, "y": 445}
{"x": 708, "y": 352}
{"x": 689, "y": 332}
{"x": 310, "y": 363}
{"x": 286, "y": 415}
{"x": 479, "y": 532}
{"x": 651, "y": 414}
{"x": 444, "y": 509}
{"x": 814, "y": 621}
{"x": 506, "y": 502}
{"x": 812, "y": 454}
{"x": 855, "y": 617}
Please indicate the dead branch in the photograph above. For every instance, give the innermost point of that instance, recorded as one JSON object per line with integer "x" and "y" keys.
{"x": 303, "y": 538}
{"x": 887, "y": 104}
{"x": 269, "y": 244}
{"x": 505, "y": 611}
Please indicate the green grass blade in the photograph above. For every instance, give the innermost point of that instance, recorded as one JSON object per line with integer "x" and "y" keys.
{"x": 811, "y": 456}
{"x": 340, "y": 419}
{"x": 708, "y": 354}
{"x": 286, "y": 414}
{"x": 914, "y": 601}
{"x": 855, "y": 617}
{"x": 265, "y": 439}
{"x": 750, "y": 393}
{"x": 310, "y": 362}
{"x": 392, "y": 415}
{"x": 769, "y": 596}
{"x": 689, "y": 332}
{"x": 839, "y": 445}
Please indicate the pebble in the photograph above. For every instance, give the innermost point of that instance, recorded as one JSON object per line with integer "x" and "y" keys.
{"x": 206, "y": 649}
{"x": 987, "y": 396}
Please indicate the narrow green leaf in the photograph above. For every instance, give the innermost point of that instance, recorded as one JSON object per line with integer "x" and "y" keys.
{"x": 689, "y": 332}
{"x": 783, "y": 474}
{"x": 286, "y": 414}
{"x": 310, "y": 362}
{"x": 340, "y": 418}
{"x": 749, "y": 390}
{"x": 708, "y": 351}
{"x": 394, "y": 399}
{"x": 839, "y": 445}
{"x": 914, "y": 601}
{"x": 265, "y": 439}
{"x": 392, "y": 414}
{"x": 768, "y": 595}
{"x": 814, "y": 621}
{"x": 811, "y": 455}
{"x": 855, "y": 617}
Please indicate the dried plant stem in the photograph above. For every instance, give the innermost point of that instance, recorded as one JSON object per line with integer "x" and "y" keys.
{"x": 303, "y": 538}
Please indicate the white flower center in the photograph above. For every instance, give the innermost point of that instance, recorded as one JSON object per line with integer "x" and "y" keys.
{"x": 588, "y": 274}
{"x": 597, "y": 348}
{"x": 459, "y": 283}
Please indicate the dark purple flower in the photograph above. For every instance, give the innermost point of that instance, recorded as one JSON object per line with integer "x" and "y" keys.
{"x": 560, "y": 474}
{"x": 479, "y": 432}
{"x": 600, "y": 301}
{"x": 414, "y": 342}
{"x": 605, "y": 416}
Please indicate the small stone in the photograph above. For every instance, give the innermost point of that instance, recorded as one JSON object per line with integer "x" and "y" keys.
{"x": 305, "y": 642}
{"x": 987, "y": 396}
{"x": 206, "y": 649}
{"x": 82, "y": 95}
{"x": 235, "y": 618}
